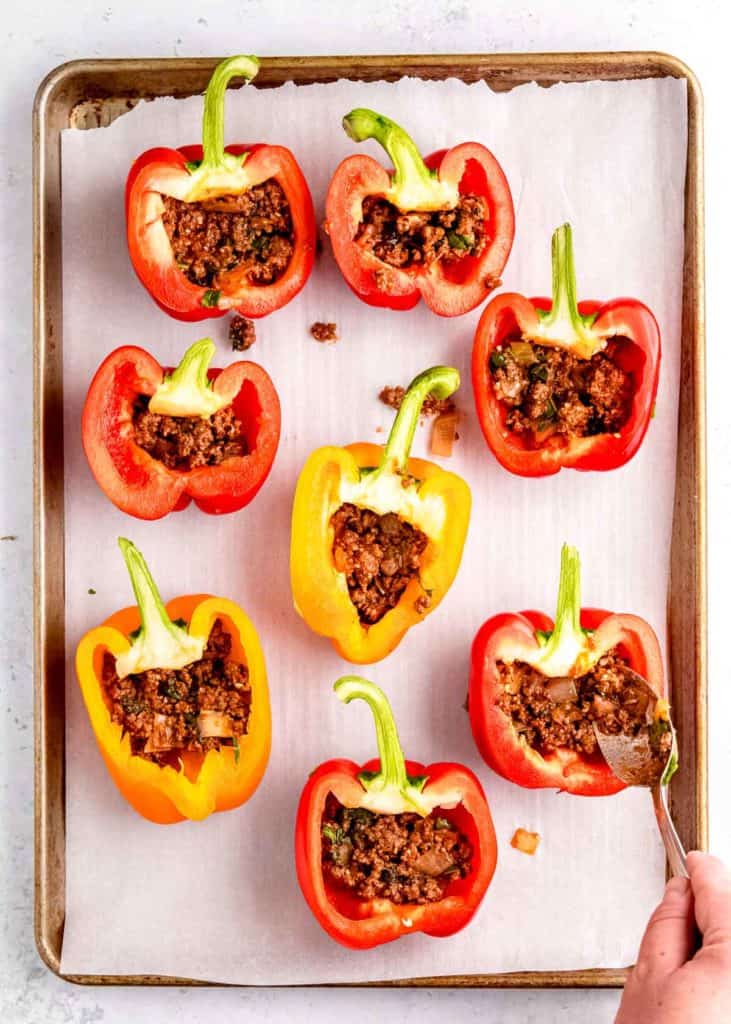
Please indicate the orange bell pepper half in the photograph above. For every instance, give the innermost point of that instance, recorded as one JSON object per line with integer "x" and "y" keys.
{"x": 151, "y": 635}
{"x": 382, "y": 479}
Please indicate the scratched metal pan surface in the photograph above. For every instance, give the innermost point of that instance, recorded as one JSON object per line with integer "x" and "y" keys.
{"x": 89, "y": 93}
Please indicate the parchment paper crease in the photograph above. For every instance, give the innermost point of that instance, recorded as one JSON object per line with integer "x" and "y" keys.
{"x": 219, "y": 900}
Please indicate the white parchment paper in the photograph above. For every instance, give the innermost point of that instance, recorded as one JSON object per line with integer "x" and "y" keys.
{"x": 219, "y": 900}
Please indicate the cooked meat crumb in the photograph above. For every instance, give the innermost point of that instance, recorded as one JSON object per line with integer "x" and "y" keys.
{"x": 399, "y": 857}
{"x": 548, "y": 714}
{"x": 552, "y": 391}
{"x": 379, "y": 556}
{"x": 203, "y": 706}
{"x": 412, "y": 238}
{"x": 432, "y": 406}
{"x": 321, "y": 331}
{"x": 187, "y": 442}
{"x": 251, "y": 230}
{"x": 241, "y": 333}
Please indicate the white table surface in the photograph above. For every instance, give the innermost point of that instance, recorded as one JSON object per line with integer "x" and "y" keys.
{"x": 43, "y": 35}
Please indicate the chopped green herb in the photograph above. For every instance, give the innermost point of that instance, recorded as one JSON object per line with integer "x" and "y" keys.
{"x": 91, "y": 591}
{"x": 523, "y": 352}
{"x": 357, "y": 814}
{"x": 260, "y": 243}
{"x": 132, "y": 706}
{"x": 172, "y": 691}
{"x": 498, "y": 359}
{"x": 211, "y": 297}
{"x": 442, "y": 823}
{"x": 538, "y": 371}
{"x": 457, "y": 241}
{"x": 335, "y": 835}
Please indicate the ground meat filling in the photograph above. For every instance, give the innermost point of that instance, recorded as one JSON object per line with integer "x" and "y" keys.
{"x": 431, "y": 406}
{"x": 549, "y": 390}
{"x": 417, "y": 239}
{"x": 399, "y": 857}
{"x": 553, "y": 713}
{"x": 203, "y": 706}
{"x": 379, "y": 556}
{"x": 252, "y": 230}
{"x": 324, "y": 332}
{"x": 187, "y": 442}
{"x": 241, "y": 333}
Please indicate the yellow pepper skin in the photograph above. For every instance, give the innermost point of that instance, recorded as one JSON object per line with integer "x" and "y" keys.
{"x": 215, "y": 780}
{"x": 320, "y": 591}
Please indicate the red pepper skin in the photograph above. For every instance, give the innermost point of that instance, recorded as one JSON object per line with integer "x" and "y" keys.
{"x": 447, "y": 292}
{"x": 497, "y": 739}
{"x": 141, "y": 485}
{"x": 510, "y": 312}
{"x": 152, "y": 257}
{"x": 362, "y": 924}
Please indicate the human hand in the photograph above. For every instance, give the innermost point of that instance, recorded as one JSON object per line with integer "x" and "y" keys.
{"x": 671, "y": 985}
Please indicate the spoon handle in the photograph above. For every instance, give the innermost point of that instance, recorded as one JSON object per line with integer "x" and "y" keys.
{"x": 673, "y": 845}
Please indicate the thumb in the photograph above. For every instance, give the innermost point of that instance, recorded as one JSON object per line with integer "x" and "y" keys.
{"x": 668, "y": 940}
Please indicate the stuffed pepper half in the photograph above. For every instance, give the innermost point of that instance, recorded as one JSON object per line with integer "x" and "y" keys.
{"x": 377, "y": 537}
{"x": 178, "y": 701}
{"x": 392, "y": 847}
{"x": 564, "y": 384}
{"x": 538, "y": 689}
{"x": 212, "y": 229}
{"x": 438, "y": 229}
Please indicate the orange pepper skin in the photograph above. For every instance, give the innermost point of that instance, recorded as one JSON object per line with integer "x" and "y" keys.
{"x": 212, "y": 781}
{"x": 319, "y": 590}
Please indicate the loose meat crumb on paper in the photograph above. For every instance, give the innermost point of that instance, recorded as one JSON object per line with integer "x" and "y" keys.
{"x": 324, "y": 332}
{"x": 394, "y": 396}
{"x": 241, "y": 333}
{"x": 525, "y": 842}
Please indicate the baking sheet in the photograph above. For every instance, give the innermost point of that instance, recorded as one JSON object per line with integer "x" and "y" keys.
{"x": 218, "y": 900}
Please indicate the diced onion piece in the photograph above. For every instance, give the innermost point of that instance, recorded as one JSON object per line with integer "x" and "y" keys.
{"x": 214, "y": 724}
{"x": 161, "y": 737}
{"x": 525, "y": 842}
{"x": 444, "y": 434}
{"x": 560, "y": 689}
{"x": 433, "y": 863}
{"x": 602, "y": 706}
{"x": 522, "y": 352}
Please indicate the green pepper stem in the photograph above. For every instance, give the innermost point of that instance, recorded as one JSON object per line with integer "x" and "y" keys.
{"x": 392, "y": 780}
{"x": 160, "y": 643}
{"x": 214, "y": 153}
{"x": 440, "y": 381}
{"x": 414, "y": 185}
{"x": 563, "y": 323}
{"x": 567, "y": 638}
{"x": 187, "y": 391}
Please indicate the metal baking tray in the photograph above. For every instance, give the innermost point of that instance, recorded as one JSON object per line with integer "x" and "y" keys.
{"x": 89, "y": 93}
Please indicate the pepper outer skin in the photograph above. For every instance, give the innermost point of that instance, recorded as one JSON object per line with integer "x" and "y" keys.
{"x": 320, "y": 592}
{"x": 472, "y": 169}
{"x": 511, "y": 637}
{"x": 162, "y": 171}
{"x": 509, "y": 313}
{"x": 143, "y": 486}
{"x": 362, "y": 924}
{"x": 217, "y": 780}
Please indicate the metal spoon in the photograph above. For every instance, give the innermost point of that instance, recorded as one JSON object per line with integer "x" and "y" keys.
{"x": 637, "y": 761}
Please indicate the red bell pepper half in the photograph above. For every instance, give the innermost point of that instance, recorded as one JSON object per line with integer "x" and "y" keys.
{"x": 570, "y": 647}
{"x": 196, "y": 173}
{"x": 391, "y": 785}
{"x": 448, "y": 287}
{"x": 583, "y": 329}
{"x": 145, "y": 487}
